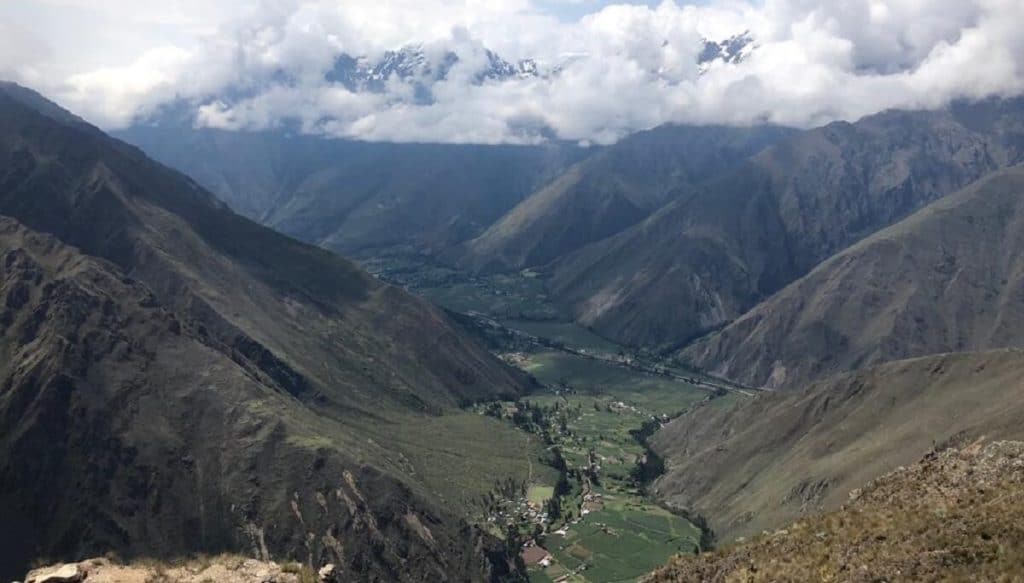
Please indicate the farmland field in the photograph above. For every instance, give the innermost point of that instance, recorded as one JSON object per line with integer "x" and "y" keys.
{"x": 609, "y": 530}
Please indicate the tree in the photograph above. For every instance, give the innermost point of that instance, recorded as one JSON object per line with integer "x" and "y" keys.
{"x": 554, "y": 508}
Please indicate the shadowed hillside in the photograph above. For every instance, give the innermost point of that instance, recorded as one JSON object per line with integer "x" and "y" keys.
{"x": 177, "y": 379}
{"x": 352, "y": 196}
{"x": 611, "y": 190}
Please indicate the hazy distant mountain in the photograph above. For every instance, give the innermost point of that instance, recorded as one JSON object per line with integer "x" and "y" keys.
{"x": 707, "y": 257}
{"x": 350, "y": 195}
{"x": 179, "y": 379}
{"x": 353, "y": 195}
{"x": 731, "y": 50}
{"x": 423, "y": 67}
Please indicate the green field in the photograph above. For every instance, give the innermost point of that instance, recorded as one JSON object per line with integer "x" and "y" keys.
{"x": 540, "y": 494}
{"x": 656, "y": 394}
{"x": 498, "y": 296}
{"x": 621, "y": 543}
{"x": 568, "y": 333}
{"x": 629, "y": 536}
{"x": 460, "y": 455}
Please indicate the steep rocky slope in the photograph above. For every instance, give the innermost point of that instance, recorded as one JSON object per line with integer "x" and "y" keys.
{"x": 954, "y": 516}
{"x": 705, "y": 259}
{"x": 764, "y": 462}
{"x": 612, "y": 190}
{"x": 175, "y": 378}
{"x": 950, "y": 278}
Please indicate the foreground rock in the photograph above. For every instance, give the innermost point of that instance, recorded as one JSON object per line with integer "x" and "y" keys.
{"x": 955, "y": 516}
{"x": 61, "y": 574}
{"x": 221, "y": 569}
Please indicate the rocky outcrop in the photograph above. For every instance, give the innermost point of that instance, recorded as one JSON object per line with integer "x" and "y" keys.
{"x": 219, "y": 569}
{"x": 62, "y": 574}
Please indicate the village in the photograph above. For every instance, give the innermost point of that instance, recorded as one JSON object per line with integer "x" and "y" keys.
{"x": 577, "y": 529}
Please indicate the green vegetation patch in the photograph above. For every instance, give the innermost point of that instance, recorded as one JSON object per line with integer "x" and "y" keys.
{"x": 540, "y": 494}
{"x": 654, "y": 393}
{"x": 567, "y": 333}
{"x": 461, "y": 455}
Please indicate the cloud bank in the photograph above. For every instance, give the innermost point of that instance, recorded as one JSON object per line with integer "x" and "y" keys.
{"x": 622, "y": 69}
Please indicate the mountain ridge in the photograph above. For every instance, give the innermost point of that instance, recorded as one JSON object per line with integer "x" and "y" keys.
{"x": 703, "y": 260}
{"x": 942, "y": 280}
{"x": 176, "y": 379}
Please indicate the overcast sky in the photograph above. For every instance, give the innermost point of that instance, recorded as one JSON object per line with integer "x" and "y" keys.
{"x": 622, "y": 67}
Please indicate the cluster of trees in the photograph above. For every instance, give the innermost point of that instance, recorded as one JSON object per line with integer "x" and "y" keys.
{"x": 650, "y": 465}
{"x": 563, "y": 487}
{"x": 707, "y": 536}
{"x": 501, "y": 495}
{"x": 548, "y": 422}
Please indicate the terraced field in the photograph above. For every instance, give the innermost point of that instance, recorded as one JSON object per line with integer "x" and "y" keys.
{"x": 625, "y": 540}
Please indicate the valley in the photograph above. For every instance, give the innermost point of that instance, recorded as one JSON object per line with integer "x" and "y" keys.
{"x": 284, "y": 332}
{"x": 584, "y": 512}
{"x": 597, "y": 522}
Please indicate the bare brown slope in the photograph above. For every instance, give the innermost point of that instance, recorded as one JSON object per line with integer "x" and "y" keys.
{"x": 705, "y": 259}
{"x": 611, "y": 190}
{"x": 954, "y": 516}
{"x": 948, "y": 279}
{"x": 764, "y": 462}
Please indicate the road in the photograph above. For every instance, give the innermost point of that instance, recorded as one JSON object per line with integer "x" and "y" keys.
{"x": 699, "y": 381}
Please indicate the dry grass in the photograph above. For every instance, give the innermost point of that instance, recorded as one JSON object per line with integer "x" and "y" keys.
{"x": 304, "y": 573}
{"x": 958, "y": 515}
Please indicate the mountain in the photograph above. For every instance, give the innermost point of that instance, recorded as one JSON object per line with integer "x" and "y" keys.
{"x": 761, "y": 463}
{"x": 175, "y": 378}
{"x": 953, "y": 516}
{"x": 705, "y": 258}
{"x": 354, "y": 196}
{"x": 732, "y": 50}
{"x": 946, "y": 279}
{"x": 350, "y": 196}
{"x": 612, "y": 190}
{"x": 423, "y": 66}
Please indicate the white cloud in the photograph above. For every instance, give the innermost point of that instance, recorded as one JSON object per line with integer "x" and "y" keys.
{"x": 635, "y": 66}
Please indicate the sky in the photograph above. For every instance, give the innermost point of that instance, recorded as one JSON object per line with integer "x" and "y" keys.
{"x": 609, "y": 67}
